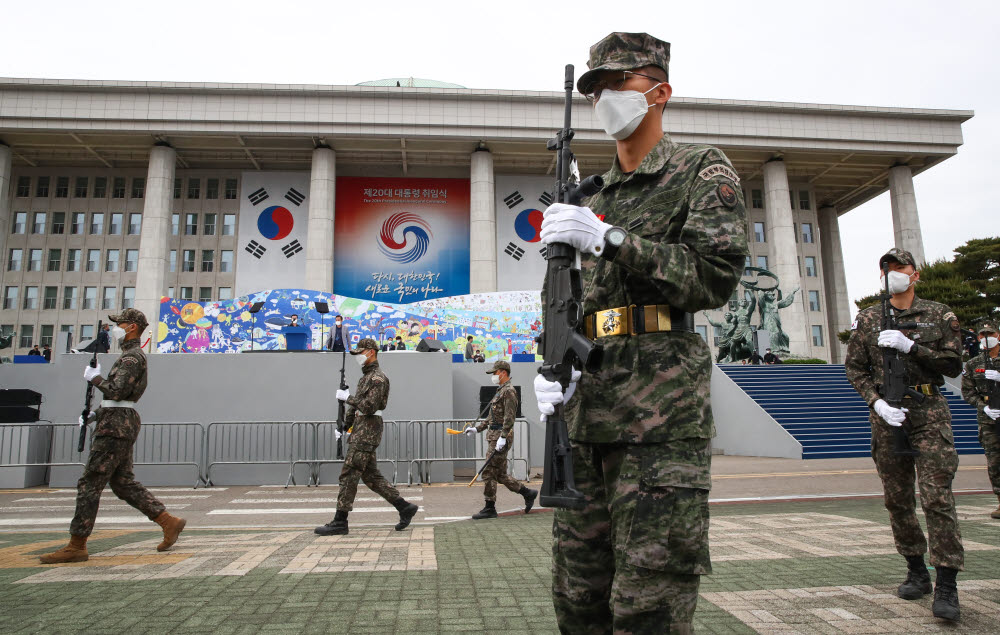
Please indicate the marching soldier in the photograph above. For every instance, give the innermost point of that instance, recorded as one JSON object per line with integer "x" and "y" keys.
{"x": 364, "y": 419}
{"x": 110, "y": 458}
{"x": 978, "y": 381}
{"x": 503, "y": 410}
{"x": 931, "y": 350}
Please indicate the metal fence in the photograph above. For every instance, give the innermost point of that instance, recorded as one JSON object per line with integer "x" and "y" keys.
{"x": 41, "y": 444}
{"x": 429, "y": 443}
{"x": 173, "y": 443}
{"x": 317, "y": 446}
{"x": 248, "y": 443}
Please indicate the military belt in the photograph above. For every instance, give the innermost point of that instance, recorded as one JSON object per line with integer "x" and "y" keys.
{"x": 496, "y": 427}
{"x": 110, "y": 403}
{"x": 927, "y": 389}
{"x": 637, "y": 319}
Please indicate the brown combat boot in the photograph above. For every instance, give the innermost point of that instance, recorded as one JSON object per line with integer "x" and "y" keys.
{"x": 996, "y": 512}
{"x": 172, "y": 528}
{"x": 75, "y": 551}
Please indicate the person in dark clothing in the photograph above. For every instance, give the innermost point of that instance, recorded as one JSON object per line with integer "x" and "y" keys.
{"x": 771, "y": 358}
{"x": 400, "y": 345}
{"x": 339, "y": 337}
{"x": 35, "y": 351}
{"x": 104, "y": 340}
{"x": 47, "y": 353}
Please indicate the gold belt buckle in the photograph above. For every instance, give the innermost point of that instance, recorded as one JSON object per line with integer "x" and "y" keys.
{"x": 609, "y": 322}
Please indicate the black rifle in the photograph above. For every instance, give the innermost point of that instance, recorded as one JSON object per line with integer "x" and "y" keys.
{"x": 992, "y": 396}
{"x": 342, "y": 408}
{"x": 87, "y": 399}
{"x": 562, "y": 342}
{"x": 489, "y": 457}
{"x": 895, "y": 379}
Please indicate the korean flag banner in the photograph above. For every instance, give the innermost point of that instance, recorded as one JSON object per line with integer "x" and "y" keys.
{"x": 274, "y": 217}
{"x": 520, "y": 202}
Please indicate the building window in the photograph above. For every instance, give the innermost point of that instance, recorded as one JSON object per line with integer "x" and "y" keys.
{"x": 734, "y": 301}
{"x": 131, "y": 260}
{"x": 746, "y": 266}
{"x": 758, "y": 232}
{"x": 804, "y": 199}
{"x": 100, "y": 187}
{"x": 226, "y": 261}
{"x": 207, "y": 260}
{"x": 58, "y": 222}
{"x": 55, "y": 259}
{"x": 77, "y": 221}
{"x": 204, "y": 294}
{"x": 47, "y": 331}
{"x": 175, "y": 224}
{"x": 30, "y": 298}
{"x": 42, "y": 187}
{"x": 128, "y": 297}
{"x": 814, "y": 300}
{"x": 817, "y": 335}
{"x": 27, "y": 336}
{"x": 73, "y": 260}
{"x": 93, "y": 258}
{"x": 177, "y": 188}
{"x": 210, "y": 224}
{"x": 187, "y": 293}
{"x": 69, "y": 297}
{"x": 10, "y": 298}
{"x": 231, "y": 189}
{"x": 190, "y": 224}
{"x": 24, "y": 187}
{"x": 225, "y": 293}
{"x": 51, "y": 299}
{"x": 138, "y": 187}
{"x": 170, "y": 292}
{"x": 115, "y": 228}
{"x": 110, "y": 293}
{"x": 63, "y": 331}
{"x": 229, "y": 224}
{"x": 188, "y": 260}
{"x": 20, "y": 221}
{"x": 62, "y": 187}
{"x": 38, "y": 226}
{"x": 111, "y": 261}
{"x": 82, "y": 187}
{"x": 811, "y": 266}
{"x": 89, "y": 299}
{"x": 716, "y": 335}
{"x": 14, "y": 260}
{"x": 97, "y": 223}
{"x": 703, "y": 331}
{"x": 194, "y": 188}
{"x": 173, "y": 260}
{"x": 118, "y": 187}
{"x": 34, "y": 260}
{"x": 86, "y": 332}
{"x": 134, "y": 224}
{"x": 757, "y": 199}
{"x": 762, "y": 262}
{"x": 807, "y": 232}
{"x": 212, "y": 188}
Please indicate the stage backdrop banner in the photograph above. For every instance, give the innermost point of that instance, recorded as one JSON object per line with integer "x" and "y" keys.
{"x": 520, "y": 201}
{"x": 273, "y": 223}
{"x": 401, "y": 240}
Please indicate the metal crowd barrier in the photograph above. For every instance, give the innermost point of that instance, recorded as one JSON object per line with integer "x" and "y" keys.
{"x": 171, "y": 443}
{"x": 429, "y": 443}
{"x": 316, "y": 445}
{"x": 42, "y": 444}
{"x": 247, "y": 443}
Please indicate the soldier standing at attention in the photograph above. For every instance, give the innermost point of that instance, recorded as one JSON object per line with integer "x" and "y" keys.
{"x": 977, "y": 382}
{"x": 364, "y": 419}
{"x": 503, "y": 410}
{"x": 932, "y": 349}
{"x": 111, "y": 447}
{"x": 665, "y": 237}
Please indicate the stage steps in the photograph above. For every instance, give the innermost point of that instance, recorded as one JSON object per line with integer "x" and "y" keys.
{"x": 818, "y": 406}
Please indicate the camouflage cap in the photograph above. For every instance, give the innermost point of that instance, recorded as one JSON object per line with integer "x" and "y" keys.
{"x": 901, "y": 256}
{"x": 131, "y": 315}
{"x": 987, "y": 327}
{"x": 499, "y": 365}
{"x": 624, "y": 52}
{"x": 366, "y": 344}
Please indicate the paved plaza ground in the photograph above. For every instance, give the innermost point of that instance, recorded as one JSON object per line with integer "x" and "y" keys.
{"x": 797, "y": 547}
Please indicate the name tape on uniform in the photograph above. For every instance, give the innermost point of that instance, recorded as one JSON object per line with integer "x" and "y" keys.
{"x": 719, "y": 169}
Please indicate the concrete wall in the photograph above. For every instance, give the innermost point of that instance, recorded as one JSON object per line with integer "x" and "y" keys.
{"x": 742, "y": 427}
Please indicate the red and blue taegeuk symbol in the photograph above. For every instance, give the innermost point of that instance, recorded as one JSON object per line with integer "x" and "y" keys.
{"x": 528, "y": 225}
{"x": 275, "y": 222}
{"x": 411, "y": 226}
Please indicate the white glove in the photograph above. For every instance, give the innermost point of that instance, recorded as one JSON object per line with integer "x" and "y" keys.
{"x": 337, "y": 433}
{"x": 573, "y": 378}
{"x": 992, "y": 374}
{"x": 92, "y": 414}
{"x": 343, "y": 395}
{"x": 893, "y": 416}
{"x": 501, "y": 443}
{"x": 89, "y": 373}
{"x": 576, "y": 226}
{"x": 896, "y": 340}
{"x": 547, "y": 393}
{"x": 991, "y": 413}
{"x": 471, "y": 431}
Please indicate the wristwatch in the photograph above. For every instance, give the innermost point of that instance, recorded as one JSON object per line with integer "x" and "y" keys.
{"x": 613, "y": 239}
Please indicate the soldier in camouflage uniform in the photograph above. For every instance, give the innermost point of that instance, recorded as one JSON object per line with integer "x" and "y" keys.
{"x": 503, "y": 411}
{"x": 111, "y": 447}
{"x": 979, "y": 378}
{"x": 931, "y": 350}
{"x": 364, "y": 419}
{"x": 669, "y": 234}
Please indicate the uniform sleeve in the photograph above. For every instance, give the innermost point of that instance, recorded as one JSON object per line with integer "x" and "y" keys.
{"x": 509, "y": 411}
{"x": 947, "y": 358}
{"x": 701, "y": 270}
{"x": 125, "y": 373}
{"x": 373, "y": 398}
{"x": 858, "y": 365}
{"x": 969, "y": 392}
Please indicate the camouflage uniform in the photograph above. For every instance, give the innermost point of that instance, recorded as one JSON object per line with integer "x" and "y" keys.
{"x": 115, "y": 433}
{"x": 641, "y": 426}
{"x": 503, "y": 410}
{"x": 975, "y": 388}
{"x": 937, "y": 351}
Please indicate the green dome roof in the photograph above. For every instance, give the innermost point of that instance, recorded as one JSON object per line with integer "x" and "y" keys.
{"x": 410, "y": 82}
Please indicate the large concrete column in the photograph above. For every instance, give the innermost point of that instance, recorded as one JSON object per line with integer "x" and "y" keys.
{"x": 150, "y": 278}
{"x": 905, "y": 221}
{"x": 482, "y": 234}
{"x": 5, "y": 195}
{"x": 784, "y": 253}
{"x": 319, "y": 249}
{"x": 838, "y": 308}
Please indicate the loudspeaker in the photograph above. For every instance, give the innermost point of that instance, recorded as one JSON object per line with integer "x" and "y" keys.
{"x": 19, "y": 405}
{"x": 486, "y": 394}
{"x": 256, "y": 307}
{"x": 427, "y": 346}
{"x": 322, "y": 307}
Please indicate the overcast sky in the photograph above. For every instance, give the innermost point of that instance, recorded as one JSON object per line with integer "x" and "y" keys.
{"x": 914, "y": 54}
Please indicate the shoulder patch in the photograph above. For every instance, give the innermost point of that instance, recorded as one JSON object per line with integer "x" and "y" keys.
{"x": 129, "y": 361}
{"x": 727, "y": 194}
{"x": 854, "y": 325}
{"x": 720, "y": 169}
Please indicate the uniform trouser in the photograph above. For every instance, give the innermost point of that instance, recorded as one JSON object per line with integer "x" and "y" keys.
{"x": 496, "y": 472}
{"x": 110, "y": 461}
{"x": 361, "y": 464}
{"x": 990, "y": 441}
{"x": 631, "y": 560}
{"x": 930, "y": 433}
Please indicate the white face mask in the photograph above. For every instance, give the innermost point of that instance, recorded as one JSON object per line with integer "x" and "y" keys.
{"x": 118, "y": 333}
{"x": 361, "y": 359}
{"x": 898, "y": 282}
{"x": 988, "y": 342}
{"x": 496, "y": 380}
{"x": 339, "y": 322}
{"x": 621, "y": 111}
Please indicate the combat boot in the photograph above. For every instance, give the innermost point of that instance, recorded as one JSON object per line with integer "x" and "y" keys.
{"x": 946, "y": 595}
{"x": 336, "y": 527}
{"x": 406, "y": 513}
{"x": 529, "y": 498}
{"x": 996, "y": 512}
{"x": 918, "y": 579}
{"x": 490, "y": 511}
{"x": 172, "y": 528}
{"x": 75, "y": 551}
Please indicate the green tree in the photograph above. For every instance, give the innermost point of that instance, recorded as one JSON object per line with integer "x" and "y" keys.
{"x": 978, "y": 263}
